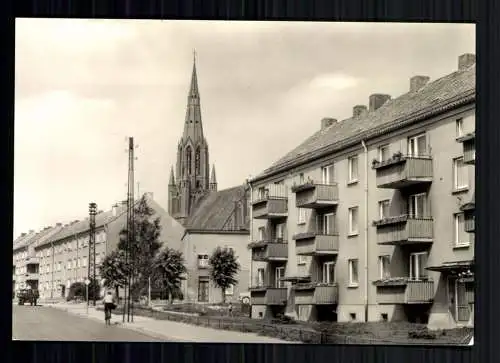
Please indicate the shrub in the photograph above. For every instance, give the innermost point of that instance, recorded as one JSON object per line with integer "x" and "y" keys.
{"x": 422, "y": 334}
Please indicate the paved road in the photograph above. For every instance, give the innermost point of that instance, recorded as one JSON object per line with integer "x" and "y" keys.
{"x": 44, "y": 323}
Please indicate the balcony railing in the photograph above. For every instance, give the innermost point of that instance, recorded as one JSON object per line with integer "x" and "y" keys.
{"x": 315, "y": 293}
{"x": 313, "y": 243}
{"x": 469, "y": 147}
{"x": 404, "y": 291}
{"x": 404, "y": 229}
{"x": 315, "y": 195}
{"x": 269, "y": 250}
{"x": 270, "y": 202}
{"x": 403, "y": 171}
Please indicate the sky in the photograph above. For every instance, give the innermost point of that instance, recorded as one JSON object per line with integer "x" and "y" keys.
{"x": 83, "y": 86}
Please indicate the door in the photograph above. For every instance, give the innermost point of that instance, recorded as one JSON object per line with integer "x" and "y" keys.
{"x": 417, "y": 145}
{"x": 417, "y": 205}
{"x": 326, "y": 224}
{"x": 418, "y": 264}
{"x": 328, "y": 272}
{"x": 279, "y": 274}
{"x": 203, "y": 290}
{"x": 280, "y": 232}
{"x": 260, "y": 277}
{"x": 463, "y": 309}
{"x": 327, "y": 175}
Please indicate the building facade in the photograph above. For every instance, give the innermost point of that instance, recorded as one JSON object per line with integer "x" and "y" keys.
{"x": 60, "y": 254}
{"x": 364, "y": 221}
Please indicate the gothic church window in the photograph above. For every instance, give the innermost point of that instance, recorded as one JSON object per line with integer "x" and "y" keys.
{"x": 188, "y": 159}
{"x": 197, "y": 161}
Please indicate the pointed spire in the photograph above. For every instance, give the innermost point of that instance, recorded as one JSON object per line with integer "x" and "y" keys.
{"x": 193, "y": 128}
{"x": 213, "y": 179}
{"x": 172, "y": 178}
{"x": 193, "y": 89}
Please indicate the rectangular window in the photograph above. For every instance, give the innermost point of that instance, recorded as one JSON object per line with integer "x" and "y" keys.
{"x": 383, "y": 208}
{"x": 353, "y": 220}
{"x": 418, "y": 264}
{"x": 280, "y": 231}
{"x": 383, "y": 153}
{"x": 261, "y": 193}
{"x": 353, "y": 169}
{"x": 459, "y": 127}
{"x": 461, "y": 236}
{"x": 84, "y": 262}
{"x": 279, "y": 274}
{"x": 230, "y": 290}
{"x": 301, "y": 260}
{"x": 328, "y": 272}
{"x": 69, "y": 265}
{"x": 260, "y": 277}
{"x": 261, "y": 233}
{"x": 203, "y": 289}
{"x": 301, "y": 215}
{"x": 203, "y": 261}
{"x": 353, "y": 272}
{"x": 460, "y": 174}
{"x": 417, "y": 205}
{"x": 327, "y": 174}
{"x": 383, "y": 263}
{"x": 417, "y": 145}
{"x": 325, "y": 223}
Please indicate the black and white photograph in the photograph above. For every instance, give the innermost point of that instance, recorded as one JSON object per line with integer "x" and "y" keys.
{"x": 244, "y": 182}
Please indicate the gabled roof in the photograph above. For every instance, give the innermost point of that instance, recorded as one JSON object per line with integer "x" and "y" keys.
{"x": 438, "y": 96}
{"x": 215, "y": 210}
{"x": 23, "y": 241}
{"x": 37, "y": 238}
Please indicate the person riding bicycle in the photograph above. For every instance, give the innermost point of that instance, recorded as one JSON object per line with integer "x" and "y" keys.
{"x": 109, "y": 304}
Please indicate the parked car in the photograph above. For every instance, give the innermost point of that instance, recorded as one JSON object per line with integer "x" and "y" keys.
{"x": 27, "y": 295}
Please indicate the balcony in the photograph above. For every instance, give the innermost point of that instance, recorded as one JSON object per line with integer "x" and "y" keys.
{"x": 404, "y": 230}
{"x": 469, "y": 146}
{"x": 403, "y": 171}
{"x": 30, "y": 275}
{"x": 316, "y": 294}
{"x": 404, "y": 291}
{"x": 269, "y": 251}
{"x": 314, "y": 195}
{"x": 271, "y": 202}
{"x": 32, "y": 261}
{"x": 265, "y": 295}
{"x": 316, "y": 244}
{"x": 469, "y": 219}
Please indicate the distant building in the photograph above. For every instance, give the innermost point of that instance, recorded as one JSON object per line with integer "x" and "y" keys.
{"x": 212, "y": 218}
{"x": 364, "y": 221}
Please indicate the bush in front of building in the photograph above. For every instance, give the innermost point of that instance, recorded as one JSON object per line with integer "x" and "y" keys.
{"x": 78, "y": 290}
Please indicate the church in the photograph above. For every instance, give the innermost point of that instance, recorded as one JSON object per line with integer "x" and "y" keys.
{"x": 210, "y": 217}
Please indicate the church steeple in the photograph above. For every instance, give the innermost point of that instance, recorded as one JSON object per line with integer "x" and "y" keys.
{"x": 193, "y": 128}
{"x": 172, "y": 178}
{"x": 213, "y": 180}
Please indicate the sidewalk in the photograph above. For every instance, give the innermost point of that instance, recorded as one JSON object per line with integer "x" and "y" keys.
{"x": 170, "y": 330}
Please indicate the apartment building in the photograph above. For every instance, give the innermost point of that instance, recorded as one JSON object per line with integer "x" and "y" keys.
{"x": 364, "y": 220}
{"x": 64, "y": 257}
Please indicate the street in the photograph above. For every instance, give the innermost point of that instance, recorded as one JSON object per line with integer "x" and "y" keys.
{"x": 45, "y": 323}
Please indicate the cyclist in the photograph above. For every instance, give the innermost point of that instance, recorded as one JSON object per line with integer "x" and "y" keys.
{"x": 109, "y": 304}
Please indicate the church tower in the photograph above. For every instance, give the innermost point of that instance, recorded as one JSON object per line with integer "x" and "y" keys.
{"x": 192, "y": 180}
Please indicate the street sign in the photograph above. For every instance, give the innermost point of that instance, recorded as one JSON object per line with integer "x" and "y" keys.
{"x": 87, "y": 282}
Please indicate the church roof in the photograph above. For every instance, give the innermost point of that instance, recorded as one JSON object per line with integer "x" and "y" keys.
{"x": 215, "y": 210}
{"x": 435, "y": 97}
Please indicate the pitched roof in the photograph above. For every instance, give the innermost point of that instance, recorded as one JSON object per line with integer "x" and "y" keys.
{"x": 23, "y": 241}
{"x": 435, "y": 97}
{"x": 37, "y": 238}
{"x": 215, "y": 210}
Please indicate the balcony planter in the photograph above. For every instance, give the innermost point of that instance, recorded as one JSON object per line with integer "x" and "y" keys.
{"x": 304, "y": 186}
{"x": 390, "y": 220}
{"x": 396, "y": 158}
{"x": 391, "y": 281}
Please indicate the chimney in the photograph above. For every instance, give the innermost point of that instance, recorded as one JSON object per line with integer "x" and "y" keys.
{"x": 359, "y": 111}
{"x": 327, "y": 121}
{"x": 58, "y": 224}
{"x": 466, "y": 60}
{"x": 23, "y": 234}
{"x": 114, "y": 210}
{"x": 377, "y": 100}
{"x": 417, "y": 82}
{"x": 32, "y": 231}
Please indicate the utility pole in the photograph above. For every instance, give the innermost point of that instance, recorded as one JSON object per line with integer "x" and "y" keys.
{"x": 130, "y": 255}
{"x": 92, "y": 268}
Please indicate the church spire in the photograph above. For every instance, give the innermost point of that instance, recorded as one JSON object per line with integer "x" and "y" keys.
{"x": 213, "y": 179}
{"x": 193, "y": 128}
{"x": 172, "y": 178}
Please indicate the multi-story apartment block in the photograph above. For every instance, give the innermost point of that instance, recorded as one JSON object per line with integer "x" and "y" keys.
{"x": 363, "y": 220}
{"x": 64, "y": 257}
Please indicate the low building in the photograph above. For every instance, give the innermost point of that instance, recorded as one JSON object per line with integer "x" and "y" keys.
{"x": 363, "y": 220}
{"x": 221, "y": 220}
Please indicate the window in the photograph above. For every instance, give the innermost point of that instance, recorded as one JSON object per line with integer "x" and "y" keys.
{"x": 353, "y": 220}
{"x": 301, "y": 260}
{"x": 417, "y": 145}
{"x": 301, "y": 178}
{"x": 383, "y": 153}
{"x": 353, "y": 169}
{"x": 327, "y": 174}
{"x": 280, "y": 231}
{"x": 230, "y": 290}
{"x": 353, "y": 273}
{"x": 260, "y": 277}
{"x": 459, "y": 127}
{"x": 328, "y": 272}
{"x": 78, "y": 262}
{"x": 188, "y": 160}
{"x": 203, "y": 289}
{"x": 301, "y": 215}
{"x": 417, "y": 205}
{"x": 325, "y": 223}
{"x": 383, "y": 207}
{"x": 197, "y": 161}
{"x": 461, "y": 237}
{"x": 418, "y": 264}
{"x": 261, "y": 233}
{"x": 383, "y": 264}
{"x": 280, "y": 273}
{"x": 261, "y": 193}
{"x": 59, "y": 266}
{"x": 203, "y": 261}
{"x": 460, "y": 174}
{"x": 84, "y": 262}
{"x": 68, "y": 265}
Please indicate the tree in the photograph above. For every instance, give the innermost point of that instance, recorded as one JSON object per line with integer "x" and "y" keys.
{"x": 144, "y": 244}
{"x": 168, "y": 270}
{"x": 79, "y": 289}
{"x": 223, "y": 269}
{"x": 114, "y": 271}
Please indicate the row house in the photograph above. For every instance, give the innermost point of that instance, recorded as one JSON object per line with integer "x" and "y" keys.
{"x": 365, "y": 220}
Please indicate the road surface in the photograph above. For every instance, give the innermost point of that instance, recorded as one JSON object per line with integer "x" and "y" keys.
{"x": 45, "y": 323}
